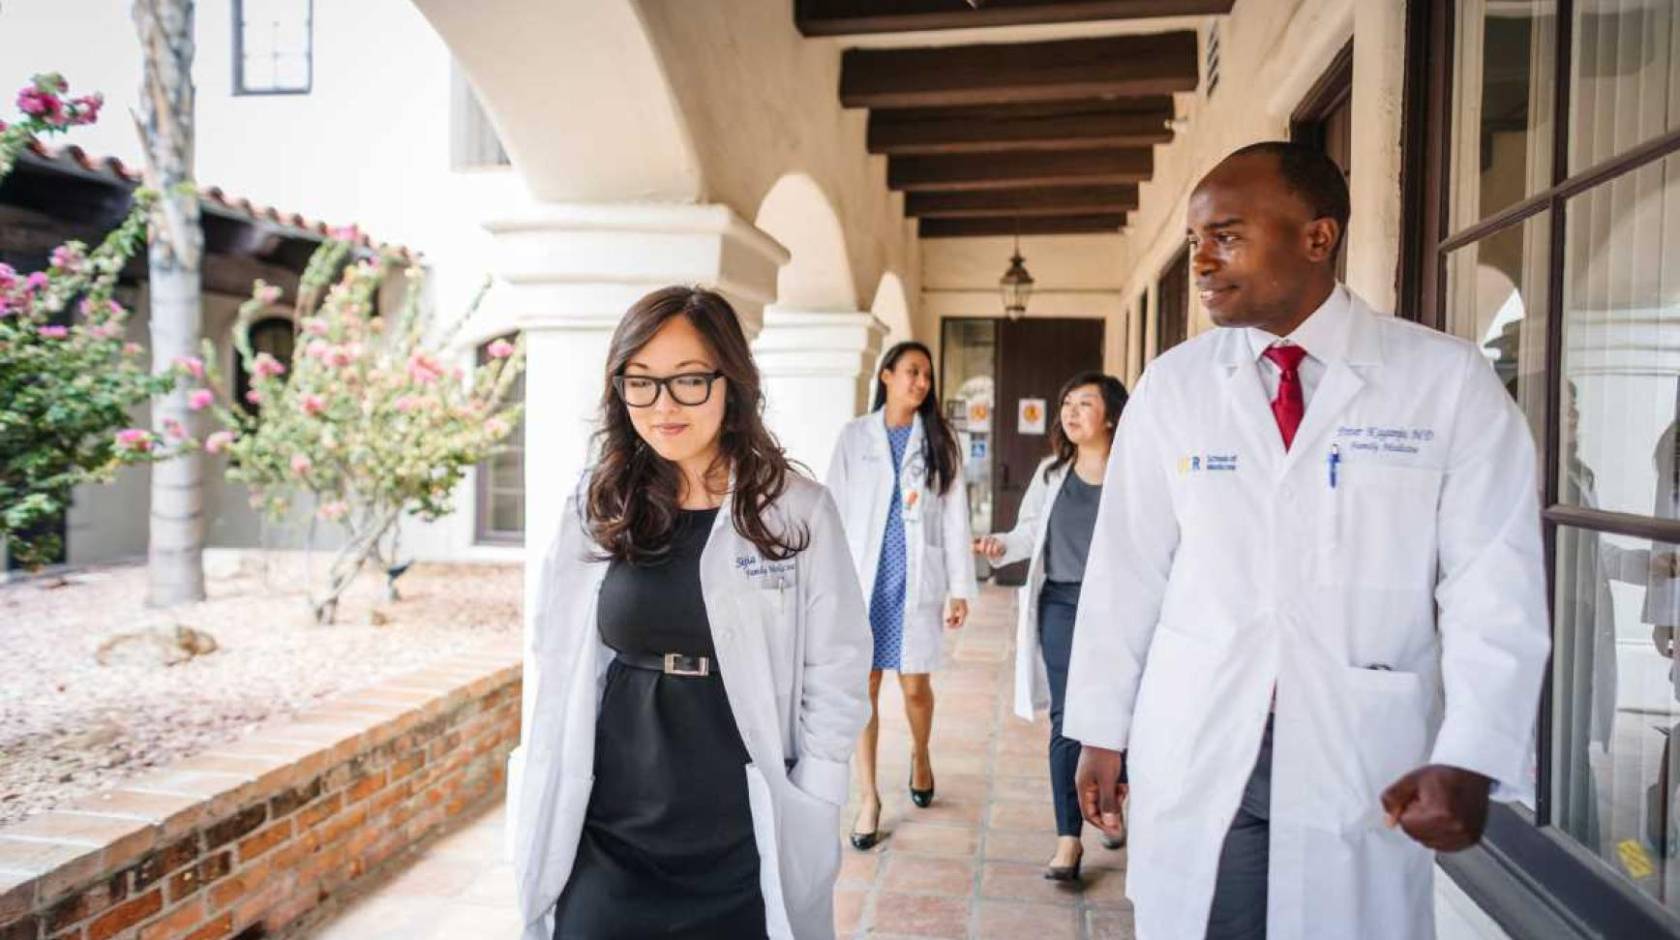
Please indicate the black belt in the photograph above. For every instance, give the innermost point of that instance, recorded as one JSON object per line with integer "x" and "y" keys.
{"x": 671, "y": 664}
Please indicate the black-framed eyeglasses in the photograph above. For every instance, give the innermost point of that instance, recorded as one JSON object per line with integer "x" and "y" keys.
{"x": 686, "y": 388}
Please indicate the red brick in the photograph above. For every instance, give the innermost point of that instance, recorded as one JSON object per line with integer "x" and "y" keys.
{"x": 29, "y": 928}
{"x": 215, "y": 930}
{"x": 86, "y": 903}
{"x": 255, "y": 845}
{"x": 234, "y": 826}
{"x": 243, "y": 882}
{"x": 313, "y": 815}
{"x": 408, "y": 765}
{"x": 176, "y": 922}
{"x": 126, "y": 915}
{"x": 207, "y": 871}
{"x": 295, "y": 851}
{"x": 165, "y": 860}
{"x": 366, "y": 787}
{"x": 334, "y": 829}
{"x": 290, "y": 800}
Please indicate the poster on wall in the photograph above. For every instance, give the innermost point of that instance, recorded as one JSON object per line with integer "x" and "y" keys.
{"x": 1030, "y": 416}
{"x": 979, "y": 415}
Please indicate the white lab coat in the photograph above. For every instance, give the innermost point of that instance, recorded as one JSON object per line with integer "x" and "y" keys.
{"x": 793, "y": 647}
{"x": 1026, "y": 541}
{"x": 937, "y": 541}
{"x": 1221, "y": 566}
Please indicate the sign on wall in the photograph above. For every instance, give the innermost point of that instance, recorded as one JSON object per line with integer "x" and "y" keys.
{"x": 1030, "y": 416}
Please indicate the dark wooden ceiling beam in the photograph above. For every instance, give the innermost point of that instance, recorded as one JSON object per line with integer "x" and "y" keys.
{"x": 1011, "y": 225}
{"x": 856, "y": 17}
{"x": 1019, "y": 170}
{"x": 1043, "y": 201}
{"x": 970, "y": 130}
{"x": 1070, "y": 69}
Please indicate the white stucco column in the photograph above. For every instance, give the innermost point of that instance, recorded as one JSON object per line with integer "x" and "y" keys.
{"x": 568, "y": 273}
{"x": 1379, "y": 79}
{"x": 816, "y": 366}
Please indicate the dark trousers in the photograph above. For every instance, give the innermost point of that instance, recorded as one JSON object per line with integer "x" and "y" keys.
{"x": 1239, "y": 895}
{"x": 1056, "y": 605}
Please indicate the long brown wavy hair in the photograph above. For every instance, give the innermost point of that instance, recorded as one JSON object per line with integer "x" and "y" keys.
{"x": 632, "y": 502}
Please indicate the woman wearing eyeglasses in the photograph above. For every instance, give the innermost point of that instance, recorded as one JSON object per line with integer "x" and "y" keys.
{"x": 897, "y": 477}
{"x": 701, "y": 653}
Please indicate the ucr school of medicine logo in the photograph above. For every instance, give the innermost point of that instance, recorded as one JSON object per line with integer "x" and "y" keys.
{"x": 1189, "y": 464}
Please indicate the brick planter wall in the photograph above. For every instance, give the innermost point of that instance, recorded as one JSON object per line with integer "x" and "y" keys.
{"x": 242, "y": 840}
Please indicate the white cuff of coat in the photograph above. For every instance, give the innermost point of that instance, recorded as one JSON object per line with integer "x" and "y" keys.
{"x": 827, "y": 780}
{"x": 1503, "y": 761}
{"x": 1108, "y": 732}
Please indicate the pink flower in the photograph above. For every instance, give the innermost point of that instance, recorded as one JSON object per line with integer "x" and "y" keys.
{"x": 133, "y": 349}
{"x": 8, "y": 277}
{"x": 173, "y": 428}
{"x": 301, "y": 463}
{"x": 200, "y": 399}
{"x": 266, "y": 366}
{"x": 86, "y": 108}
{"x": 254, "y": 397}
{"x": 346, "y": 233}
{"x": 102, "y": 309}
{"x": 268, "y": 294}
{"x": 218, "y": 442}
{"x": 138, "y": 440}
{"x": 334, "y": 511}
{"x": 338, "y": 357}
{"x": 500, "y": 349}
{"x": 317, "y": 349}
{"x": 36, "y": 281}
{"x": 41, "y": 104}
{"x": 54, "y": 332}
{"x": 311, "y": 404}
{"x": 496, "y": 426}
{"x": 193, "y": 365}
{"x": 424, "y": 369}
{"x": 68, "y": 258}
{"x": 105, "y": 331}
{"x": 406, "y": 403}
{"x": 315, "y": 326}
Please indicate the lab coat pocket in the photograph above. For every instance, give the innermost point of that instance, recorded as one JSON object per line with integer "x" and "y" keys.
{"x": 1388, "y": 734}
{"x": 1377, "y": 528}
{"x": 798, "y": 848}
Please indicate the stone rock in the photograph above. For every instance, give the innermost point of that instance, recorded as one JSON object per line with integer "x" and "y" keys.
{"x": 155, "y": 646}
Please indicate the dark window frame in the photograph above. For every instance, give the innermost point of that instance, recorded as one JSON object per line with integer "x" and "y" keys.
{"x": 483, "y": 533}
{"x": 1534, "y": 879}
{"x": 1179, "y": 310}
{"x": 241, "y": 376}
{"x": 239, "y": 87}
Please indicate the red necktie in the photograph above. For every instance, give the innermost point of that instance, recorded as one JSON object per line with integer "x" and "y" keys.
{"x": 1289, "y": 405}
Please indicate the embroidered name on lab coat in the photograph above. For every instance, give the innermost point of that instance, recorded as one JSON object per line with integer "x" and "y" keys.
{"x": 1378, "y": 439}
{"x": 754, "y": 567}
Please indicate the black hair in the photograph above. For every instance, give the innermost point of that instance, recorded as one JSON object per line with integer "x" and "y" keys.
{"x": 1313, "y": 177}
{"x": 1114, "y": 401}
{"x": 939, "y": 445}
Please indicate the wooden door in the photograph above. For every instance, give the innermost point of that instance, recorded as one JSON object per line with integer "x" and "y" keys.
{"x": 1172, "y": 303}
{"x": 1035, "y": 357}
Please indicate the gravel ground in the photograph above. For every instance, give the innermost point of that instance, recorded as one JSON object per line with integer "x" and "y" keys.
{"x": 69, "y": 726}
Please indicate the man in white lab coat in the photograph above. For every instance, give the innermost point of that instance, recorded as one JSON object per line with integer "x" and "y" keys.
{"x": 1319, "y": 630}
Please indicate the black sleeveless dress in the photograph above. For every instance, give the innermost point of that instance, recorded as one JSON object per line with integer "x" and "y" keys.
{"x": 667, "y": 847}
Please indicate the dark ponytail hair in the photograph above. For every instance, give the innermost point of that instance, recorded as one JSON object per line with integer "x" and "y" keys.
{"x": 939, "y": 445}
{"x": 1114, "y": 401}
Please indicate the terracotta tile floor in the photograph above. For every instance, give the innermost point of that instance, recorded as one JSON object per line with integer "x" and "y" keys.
{"x": 967, "y": 867}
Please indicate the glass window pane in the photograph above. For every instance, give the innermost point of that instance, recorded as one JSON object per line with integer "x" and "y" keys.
{"x": 969, "y": 352}
{"x": 258, "y": 73}
{"x": 1502, "y": 106}
{"x": 1496, "y": 298}
{"x": 507, "y": 514}
{"x": 1625, "y": 87}
{"x": 1615, "y": 775}
{"x": 1621, "y": 352}
{"x": 291, "y": 72}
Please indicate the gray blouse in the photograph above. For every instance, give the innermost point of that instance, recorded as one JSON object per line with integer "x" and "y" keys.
{"x": 1072, "y": 520}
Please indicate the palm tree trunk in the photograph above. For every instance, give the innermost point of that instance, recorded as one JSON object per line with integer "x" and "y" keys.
{"x": 175, "y": 554}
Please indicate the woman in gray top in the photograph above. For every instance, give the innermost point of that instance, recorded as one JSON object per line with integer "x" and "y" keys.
{"x": 1053, "y": 529}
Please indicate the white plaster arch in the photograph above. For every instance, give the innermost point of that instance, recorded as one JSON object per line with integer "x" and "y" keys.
{"x": 892, "y": 308}
{"x": 579, "y": 95}
{"x": 797, "y": 213}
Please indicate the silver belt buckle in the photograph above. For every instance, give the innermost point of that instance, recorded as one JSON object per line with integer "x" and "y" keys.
{"x": 673, "y": 669}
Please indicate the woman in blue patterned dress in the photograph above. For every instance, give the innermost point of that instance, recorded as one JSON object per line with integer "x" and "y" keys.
{"x": 897, "y": 478}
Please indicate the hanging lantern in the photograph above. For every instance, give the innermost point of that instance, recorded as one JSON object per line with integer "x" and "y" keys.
{"x": 1016, "y": 285}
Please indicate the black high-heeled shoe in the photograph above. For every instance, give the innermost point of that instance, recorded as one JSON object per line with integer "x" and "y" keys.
{"x": 1063, "y": 872}
{"x": 922, "y": 798}
{"x": 864, "y": 841}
